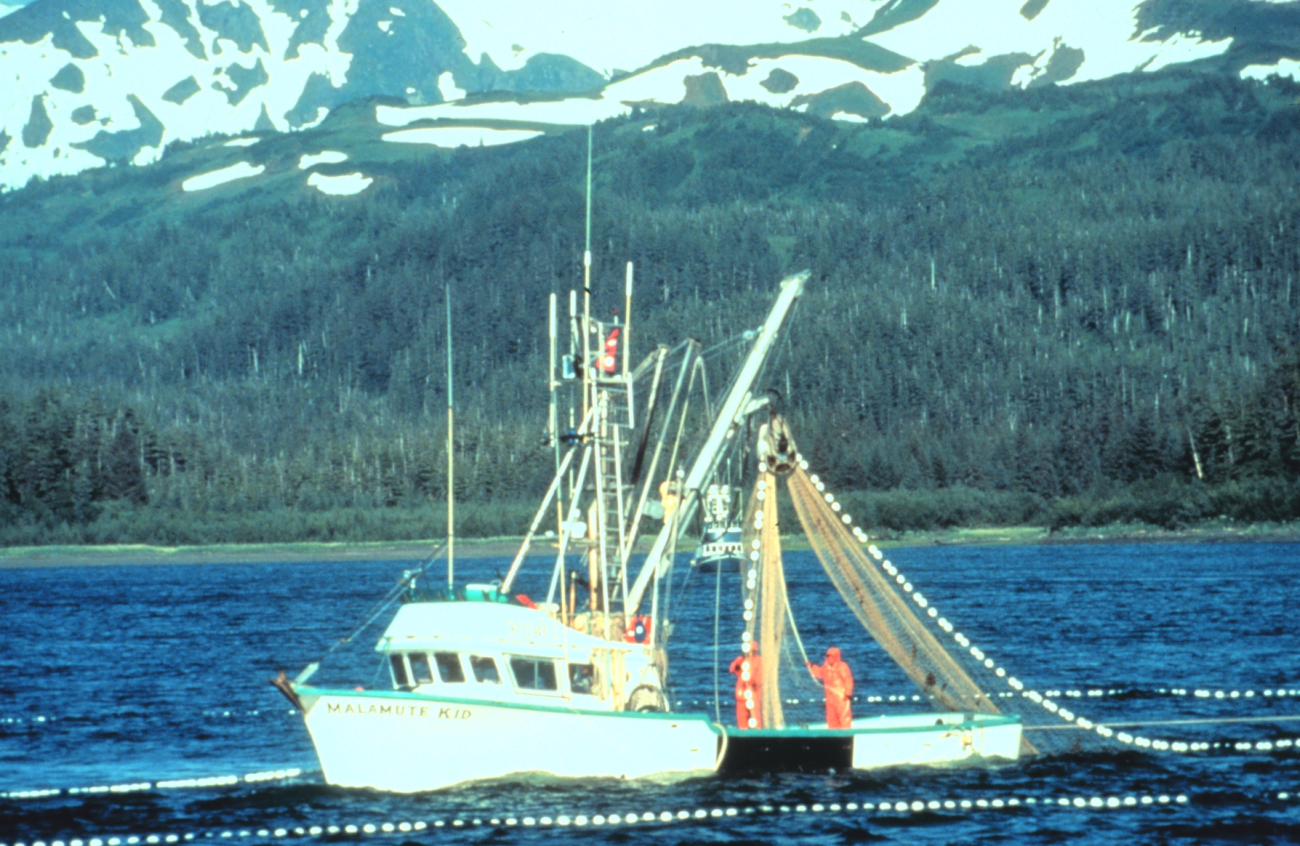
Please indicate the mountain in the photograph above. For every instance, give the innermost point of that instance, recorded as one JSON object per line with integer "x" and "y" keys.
{"x": 113, "y": 82}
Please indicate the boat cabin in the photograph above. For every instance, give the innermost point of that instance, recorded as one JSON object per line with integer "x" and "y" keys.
{"x": 492, "y": 650}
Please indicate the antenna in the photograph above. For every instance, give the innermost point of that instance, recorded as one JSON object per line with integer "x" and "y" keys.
{"x": 451, "y": 463}
{"x": 553, "y": 423}
{"x": 586, "y": 292}
{"x": 627, "y": 329}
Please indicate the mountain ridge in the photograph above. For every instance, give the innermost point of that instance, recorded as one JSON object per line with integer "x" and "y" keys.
{"x": 101, "y": 83}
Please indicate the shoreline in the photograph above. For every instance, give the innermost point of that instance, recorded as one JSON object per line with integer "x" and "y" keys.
{"x": 478, "y": 548}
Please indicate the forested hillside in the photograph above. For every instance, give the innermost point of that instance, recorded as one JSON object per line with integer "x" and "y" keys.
{"x": 1063, "y": 305}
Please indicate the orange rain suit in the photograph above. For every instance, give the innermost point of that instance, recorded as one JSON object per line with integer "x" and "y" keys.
{"x": 838, "y": 679}
{"x": 748, "y": 708}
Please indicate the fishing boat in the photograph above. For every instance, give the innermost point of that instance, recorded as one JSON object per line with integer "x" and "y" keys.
{"x": 720, "y": 542}
{"x": 483, "y": 682}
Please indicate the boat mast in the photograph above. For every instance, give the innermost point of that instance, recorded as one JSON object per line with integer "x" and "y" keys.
{"x": 552, "y": 423}
{"x": 451, "y": 464}
{"x": 624, "y": 550}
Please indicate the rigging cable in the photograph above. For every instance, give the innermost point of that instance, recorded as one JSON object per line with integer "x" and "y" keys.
{"x": 1290, "y": 718}
{"x": 717, "y": 612}
{"x": 408, "y": 577}
{"x": 795, "y": 631}
{"x": 727, "y": 343}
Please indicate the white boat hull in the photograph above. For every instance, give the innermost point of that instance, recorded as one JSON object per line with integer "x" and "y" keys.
{"x": 933, "y": 739}
{"x": 406, "y": 742}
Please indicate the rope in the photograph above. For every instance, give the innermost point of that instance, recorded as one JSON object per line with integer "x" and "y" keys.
{"x": 727, "y": 343}
{"x": 794, "y": 631}
{"x": 330, "y": 832}
{"x": 704, "y": 388}
{"x": 286, "y": 774}
{"x": 389, "y": 598}
{"x": 717, "y": 645}
{"x": 1190, "y": 722}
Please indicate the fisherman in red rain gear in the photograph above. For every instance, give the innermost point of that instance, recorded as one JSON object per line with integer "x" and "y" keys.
{"x": 749, "y": 682}
{"x": 838, "y": 678}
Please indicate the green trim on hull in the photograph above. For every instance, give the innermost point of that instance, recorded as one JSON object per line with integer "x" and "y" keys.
{"x": 982, "y": 722}
{"x": 408, "y": 696}
{"x": 994, "y": 721}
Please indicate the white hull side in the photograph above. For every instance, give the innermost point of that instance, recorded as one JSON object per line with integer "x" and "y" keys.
{"x": 897, "y": 745}
{"x": 407, "y": 743}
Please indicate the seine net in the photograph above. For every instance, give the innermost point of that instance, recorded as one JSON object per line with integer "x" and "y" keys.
{"x": 878, "y": 606}
{"x": 962, "y": 680}
{"x": 788, "y": 694}
{"x": 950, "y": 681}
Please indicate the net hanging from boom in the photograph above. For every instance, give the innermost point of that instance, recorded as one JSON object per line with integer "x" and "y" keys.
{"x": 878, "y": 596}
{"x": 869, "y": 593}
{"x": 876, "y": 603}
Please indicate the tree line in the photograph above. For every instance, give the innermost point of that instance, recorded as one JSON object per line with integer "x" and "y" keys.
{"x": 1088, "y": 321}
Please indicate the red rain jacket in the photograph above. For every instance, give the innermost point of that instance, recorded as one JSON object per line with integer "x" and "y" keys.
{"x": 744, "y": 710}
{"x": 838, "y": 678}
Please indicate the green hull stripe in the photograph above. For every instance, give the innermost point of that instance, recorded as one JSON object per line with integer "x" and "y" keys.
{"x": 991, "y": 721}
{"x": 408, "y": 696}
{"x": 800, "y": 731}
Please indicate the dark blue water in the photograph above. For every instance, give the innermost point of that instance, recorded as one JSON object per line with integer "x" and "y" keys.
{"x": 119, "y": 675}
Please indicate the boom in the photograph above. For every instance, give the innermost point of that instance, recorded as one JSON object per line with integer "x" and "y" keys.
{"x": 734, "y": 408}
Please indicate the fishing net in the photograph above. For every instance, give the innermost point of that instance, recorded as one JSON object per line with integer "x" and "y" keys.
{"x": 787, "y": 694}
{"x": 870, "y": 594}
{"x": 959, "y": 677}
{"x": 762, "y": 594}
{"x": 879, "y": 607}
{"x": 885, "y": 613}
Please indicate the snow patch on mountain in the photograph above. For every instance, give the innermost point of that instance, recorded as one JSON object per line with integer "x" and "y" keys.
{"x": 213, "y": 178}
{"x": 340, "y": 186}
{"x": 1284, "y": 67}
{"x": 1105, "y": 30}
{"x": 901, "y": 90}
{"x": 628, "y": 35}
{"x": 447, "y": 87}
{"x": 325, "y": 157}
{"x": 461, "y": 136}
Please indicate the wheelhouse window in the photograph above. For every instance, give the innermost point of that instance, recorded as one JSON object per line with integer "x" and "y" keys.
{"x": 449, "y": 668}
{"x": 420, "y": 670}
{"x": 398, "y": 663}
{"x": 484, "y": 669}
{"x": 581, "y": 678}
{"x": 533, "y": 673}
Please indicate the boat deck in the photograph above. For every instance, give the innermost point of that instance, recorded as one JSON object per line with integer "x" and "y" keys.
{"x": 872, "y": 742}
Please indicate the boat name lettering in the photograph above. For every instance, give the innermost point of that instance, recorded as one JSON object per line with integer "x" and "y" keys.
{"x": 454, "y": 713}
{"x": 533, "y": 631}
{"x": 381, "y": 710}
